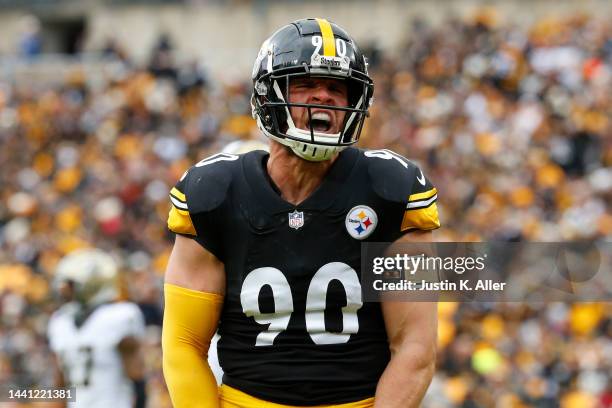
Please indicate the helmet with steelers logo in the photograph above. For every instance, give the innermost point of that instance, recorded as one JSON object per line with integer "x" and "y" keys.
{"x": 314, "y": 48}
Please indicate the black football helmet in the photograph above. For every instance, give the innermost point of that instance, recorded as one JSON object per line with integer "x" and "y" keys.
{"x": 314, "y": 48}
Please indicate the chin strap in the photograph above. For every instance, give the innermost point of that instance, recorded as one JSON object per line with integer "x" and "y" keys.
{"x": 314, "y": 153}
{"x": 307, "y": 151}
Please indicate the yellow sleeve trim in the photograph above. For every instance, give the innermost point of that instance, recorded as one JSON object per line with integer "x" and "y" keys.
{"x": 422, "y": 218}
{"x": 175, "y": 192}
{"x": 179, "y": 290}
{"x": 423, "y": 196}
{"x": 179, "y": 221}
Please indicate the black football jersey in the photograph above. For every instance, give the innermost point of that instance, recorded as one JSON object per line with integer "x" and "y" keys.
{"x": 294, "y": 328}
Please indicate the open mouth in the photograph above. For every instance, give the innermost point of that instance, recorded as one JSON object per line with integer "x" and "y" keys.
{"x": 320, "y": 122}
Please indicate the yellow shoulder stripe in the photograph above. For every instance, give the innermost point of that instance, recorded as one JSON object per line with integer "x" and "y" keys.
{"x": 175, "y": 192}
{"x": 423, "y": 196}
{"x": 329, "y": 43}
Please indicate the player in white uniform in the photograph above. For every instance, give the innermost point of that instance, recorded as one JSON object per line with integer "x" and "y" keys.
{"x": 96, "y": 340}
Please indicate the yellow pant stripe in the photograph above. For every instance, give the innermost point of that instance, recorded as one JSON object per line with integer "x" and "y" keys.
{"x": 232, "y": 398}
{"x": 329, "y": 43}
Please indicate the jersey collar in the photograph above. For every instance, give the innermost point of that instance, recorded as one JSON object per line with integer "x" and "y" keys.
{"x": 334, "y": 183}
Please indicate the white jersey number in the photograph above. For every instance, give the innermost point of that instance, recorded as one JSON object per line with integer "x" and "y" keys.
{"x": 386, "y": 155}
{"x": 215, "y": 158}
{"x": 315, "y": 303}
{"x": 78, "y": 365}
{"x": 283, "y": 302}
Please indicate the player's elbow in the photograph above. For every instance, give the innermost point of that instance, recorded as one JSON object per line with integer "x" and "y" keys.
{"x": 420, "y": 357}
{"x": 174, "y": 352}
{"x": 176, "y": 359}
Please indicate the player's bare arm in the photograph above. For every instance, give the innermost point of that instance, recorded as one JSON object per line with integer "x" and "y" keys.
{"x": 133, "y": 364}
{"x": 411, "y": 329}
{"x": 131, "y": 356}
{"x": 194, "y": 287}
{"x": 193, "y": 267}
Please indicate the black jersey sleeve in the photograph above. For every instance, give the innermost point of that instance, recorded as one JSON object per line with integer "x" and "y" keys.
{"x": 197, "y": 200}
{"x": 409, "y": 197}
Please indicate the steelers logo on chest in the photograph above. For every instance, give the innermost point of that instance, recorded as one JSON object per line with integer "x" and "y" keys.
{"x": 361, "y": 222}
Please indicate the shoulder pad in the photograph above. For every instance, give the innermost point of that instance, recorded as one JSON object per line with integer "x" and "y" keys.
{"x": 392, "y": 176}
{"x": 66, "y": 310}
{"x": 205, "y": 185}
{"x": 128, "y": 318}
{"x": 126, "y": 310}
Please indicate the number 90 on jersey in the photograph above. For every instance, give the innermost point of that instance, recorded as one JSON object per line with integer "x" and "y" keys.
{"x": 278, "y": 321}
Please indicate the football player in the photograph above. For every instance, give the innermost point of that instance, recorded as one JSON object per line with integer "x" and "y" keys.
{"x": 267, "y": 249}
{"x": 95, "y": 339}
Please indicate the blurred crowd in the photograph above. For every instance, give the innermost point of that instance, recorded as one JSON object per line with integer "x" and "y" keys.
{"x": 512, "y": 124}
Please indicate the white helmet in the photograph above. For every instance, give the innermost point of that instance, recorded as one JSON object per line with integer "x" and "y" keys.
{"x": 92, "y": 274}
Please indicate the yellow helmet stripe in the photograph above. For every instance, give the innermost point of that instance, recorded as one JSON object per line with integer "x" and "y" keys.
{"x": 329, "y": 43}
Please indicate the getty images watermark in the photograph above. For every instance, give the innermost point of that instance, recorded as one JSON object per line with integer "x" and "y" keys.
{"x": 488, "y": 271}
{"x": 408, "y": 265}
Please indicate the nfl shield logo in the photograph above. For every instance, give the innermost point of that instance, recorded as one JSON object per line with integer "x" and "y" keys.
{"x": 296, "y": 219}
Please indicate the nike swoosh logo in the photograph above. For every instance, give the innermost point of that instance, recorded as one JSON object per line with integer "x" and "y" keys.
{"x": 422, "y": 178}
